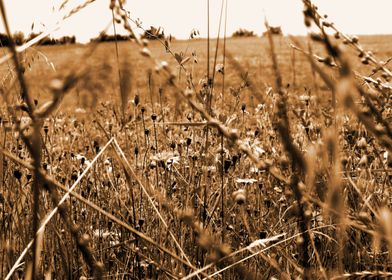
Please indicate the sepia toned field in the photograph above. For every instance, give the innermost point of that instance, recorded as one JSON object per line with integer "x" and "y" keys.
{"x": 121, "y": 160}
{"x": 251, "y": 53}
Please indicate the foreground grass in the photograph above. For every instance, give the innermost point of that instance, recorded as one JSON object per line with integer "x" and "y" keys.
{"x": 204, "y": 184}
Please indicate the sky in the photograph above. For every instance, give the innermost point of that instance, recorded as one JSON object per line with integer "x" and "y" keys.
{"x": 179, "y": 17}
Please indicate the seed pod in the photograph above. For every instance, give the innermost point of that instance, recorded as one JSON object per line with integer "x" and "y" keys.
{"x": 299, "y": 240}
{"x": 99, "y": 267}
{"x": 84, "y": 239}
{"x": 112, "y": 4}
{"x": 365, "y": 60}
{"x": 243, "y": 107}
{"x": 327, "y": 24}
{"x": 188, "y": 92}
{"x": 354, "y": 39}
{"x": 239, "y": 196}
{"x": 17, "y": 174}
{"x": 263, "y": 234}
{"x": 380, "y": 129}
{"x": 226, "y": 165}
{"x": 136, "y": 100}
{"x": 317, "y": 37}
{"x": 307, "y": 22}
{"x": 344, "y": 162}
{"x": 364, "y": 217}
{"x": 234, "y": 134}
{"x": 56, "y": 85}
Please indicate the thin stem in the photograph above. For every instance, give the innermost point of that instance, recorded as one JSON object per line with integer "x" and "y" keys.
{"x": 222, "y": 191}
{"x": 224, "y": 57}
{"x": 118, "y": 61}
{"x": 208, "y": 39}
{"x": 216, "y": 54}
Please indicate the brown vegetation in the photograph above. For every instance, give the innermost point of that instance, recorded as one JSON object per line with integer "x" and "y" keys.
{"x": 271, "y": 160}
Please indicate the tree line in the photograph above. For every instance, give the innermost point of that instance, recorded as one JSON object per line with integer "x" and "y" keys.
{"x": 20, "y": 39}
{"x": 150, "y": 34}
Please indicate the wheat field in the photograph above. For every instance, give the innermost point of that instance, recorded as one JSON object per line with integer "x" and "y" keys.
{"x": 258, "y": 158}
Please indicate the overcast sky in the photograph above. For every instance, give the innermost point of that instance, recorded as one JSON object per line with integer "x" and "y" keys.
{"x": 179, "y": 17}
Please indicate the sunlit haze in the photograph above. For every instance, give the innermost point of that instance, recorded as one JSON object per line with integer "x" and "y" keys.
{"x": 179, "y": 17}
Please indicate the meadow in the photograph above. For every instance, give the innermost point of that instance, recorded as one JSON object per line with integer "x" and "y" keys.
{"x": 267, "y": 159}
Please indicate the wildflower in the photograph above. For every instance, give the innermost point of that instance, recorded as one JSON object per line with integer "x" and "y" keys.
{"x": 84, "y": 162}
{"x": 259, "y": 108}
{"x": 246, "y": 181}
{"x": 80, "y": 111}
{"x": 220, "y": 68}
{"x": 108, "y": 166}
{"x": 166, "y": 159}
{"x": 80, "y": 157}
{"x": 25, "y": 121}
{"x": 209, "y": 169}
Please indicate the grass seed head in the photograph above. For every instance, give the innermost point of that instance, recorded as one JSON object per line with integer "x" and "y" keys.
{"x": 363, "y": 161}
{"x": 362, "y": 143}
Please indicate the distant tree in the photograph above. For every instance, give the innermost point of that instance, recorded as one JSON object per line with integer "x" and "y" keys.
{"x": 47, "y": 41}
{"x": 44, "y": 41}
{"x": 31, "y": 36}
{"x": 103, "y": 37}
{"x": 242, "y": 32}
{"x": 66, "y": 40}
{"x": 19, "y": 39}
{"x": 275, "y": 30}
{"x": 4, "y": 40}
{"x": 51, "y": 41}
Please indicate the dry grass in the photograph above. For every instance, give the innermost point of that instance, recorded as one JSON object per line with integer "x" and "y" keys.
{"x": 280, "y": 178}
